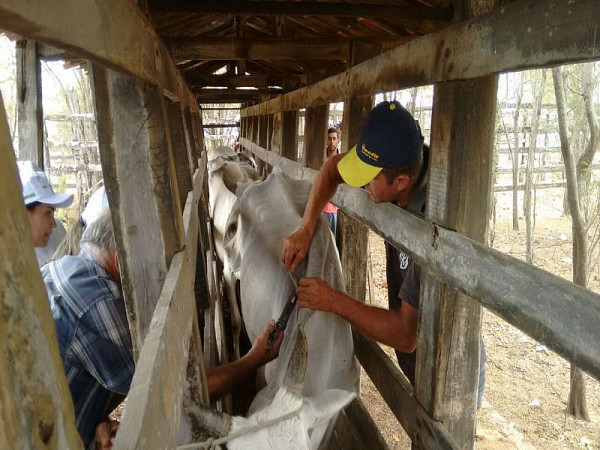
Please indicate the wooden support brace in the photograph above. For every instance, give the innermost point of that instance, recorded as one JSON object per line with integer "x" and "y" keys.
{"x": 397, "y": 392}
{"x": 315, "y": 136}
{"x": 157, "y": 388}
{"x": 179, "y": 148}
{"x": 134, "y": 153}
{"x": 36, "y": 410}
{"x": 190, "y": 139}
{"x": 289, "y": 132}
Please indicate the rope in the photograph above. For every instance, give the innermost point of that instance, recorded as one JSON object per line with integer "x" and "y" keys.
{"x": 212, "y": 443}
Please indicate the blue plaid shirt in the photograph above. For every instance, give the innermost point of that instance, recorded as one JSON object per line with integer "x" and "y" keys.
{"x": 93, "y": 336}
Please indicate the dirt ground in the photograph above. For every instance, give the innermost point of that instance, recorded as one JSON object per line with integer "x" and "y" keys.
{"x": 527, "y": 384}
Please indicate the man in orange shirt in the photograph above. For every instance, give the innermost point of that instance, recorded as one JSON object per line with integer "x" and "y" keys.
{"x": 330, "y": 210}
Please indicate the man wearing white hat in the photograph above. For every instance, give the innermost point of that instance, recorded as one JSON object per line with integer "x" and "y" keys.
{"x": 41, "y": 202}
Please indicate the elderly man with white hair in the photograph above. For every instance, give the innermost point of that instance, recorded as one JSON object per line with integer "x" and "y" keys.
{"x": 91, "y": 325}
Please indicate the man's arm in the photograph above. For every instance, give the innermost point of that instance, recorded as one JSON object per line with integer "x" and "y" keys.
{"x": 396, "y": 328}
{"x": 223, "y": 379}
{"x": 295, "y": 246}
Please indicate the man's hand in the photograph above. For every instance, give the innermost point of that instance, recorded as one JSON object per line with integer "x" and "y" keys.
{"x": 105, "y": 434}
{"x": 260, "y": 352}
{"x": 295, "y": 248}
{"x": 314, "y": 293}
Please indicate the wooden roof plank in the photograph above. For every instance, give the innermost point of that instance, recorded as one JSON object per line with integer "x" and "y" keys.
{"x": 258, "y": 80}
{"x": 506, "y": 39}
{"x": 262, "y": 48}
{"x": 112, "y": 33}
{"x": 543, "y": 305}
{"x": 395, "y": 12}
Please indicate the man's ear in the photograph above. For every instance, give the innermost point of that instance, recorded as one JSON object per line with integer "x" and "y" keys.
{"x": 401, "y": 182}
{"x": 116, "y": 263}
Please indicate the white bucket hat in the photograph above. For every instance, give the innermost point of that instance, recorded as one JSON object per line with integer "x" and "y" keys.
{"x": 37, "y": 188}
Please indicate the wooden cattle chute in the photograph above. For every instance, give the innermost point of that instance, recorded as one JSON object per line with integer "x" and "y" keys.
{"x": 554, "y": 311}
{"x": 150, "y": 137}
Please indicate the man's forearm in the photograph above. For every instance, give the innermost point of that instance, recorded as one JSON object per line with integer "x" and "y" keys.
{"x": 386, "y": 326}
{"x": 322, "y": 191}
{"x": 224, "y": 379}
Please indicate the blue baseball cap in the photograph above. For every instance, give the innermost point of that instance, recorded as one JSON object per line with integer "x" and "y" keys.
{"x": 390, "y": 138}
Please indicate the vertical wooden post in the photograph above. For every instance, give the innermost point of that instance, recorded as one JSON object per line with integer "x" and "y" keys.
{"x": 460, "y": 174}
{"x": 198, "y": 130}
{"x": 179, "y": 146}
{"x": 255, "y": 123}
{"x": 289, "y": 138}
{"x": 277, "y": 132}
{"x": 353, "y": 237}
{"x": 190, "y": 140}
{"x": 29, "y": 103}
{"x": 315, "y": 136}
{"x": 270, "y": 131}
{"x": 134, "y": 153}
{"x": 36, "y": 408}
{"x": 263, "y": 126}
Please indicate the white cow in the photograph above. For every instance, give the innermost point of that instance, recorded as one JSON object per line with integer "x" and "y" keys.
{"x": 316, "y": 372}
{"x": 228, "y": 178}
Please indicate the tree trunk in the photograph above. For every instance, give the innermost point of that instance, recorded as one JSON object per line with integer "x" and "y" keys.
{"x": 515, "y": 158}
{"x": 528, "y": 196}
{"x": 577, "y": 405}
{"x": 584, "y": 164}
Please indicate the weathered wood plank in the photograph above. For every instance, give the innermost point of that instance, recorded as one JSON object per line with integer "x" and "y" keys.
{"x": 112, "y": 33}
{"x": 197, "y": 388}
{"x": 233, "y": 81}
{"x": 355, "y": 429}
{"x": 545, "y": 306}
{"x": 190, "y": 140}
{"x": 289, "y": 138}
{"x": 315, "y": 136}
{"x": 398, "y": 394}
{"x": 157, "y": 387}
{"x": 269, "y": 8}
{"x": 179, "y": 147}
{"x": 277, "y": 133}
{"x": 504, "y": 40}
{"x": 129, "y": 136}
{"x": 273, "y": 48}
{"x": 29, "y": 103}
{"x": 447, "y": 373}
{"x": 352, "y": 236}
{"x": 36, "y": 410}
{"x": 205, "y": 94}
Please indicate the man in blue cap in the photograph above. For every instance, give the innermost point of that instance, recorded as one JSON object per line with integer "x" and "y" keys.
{"x": 390, "y": 160}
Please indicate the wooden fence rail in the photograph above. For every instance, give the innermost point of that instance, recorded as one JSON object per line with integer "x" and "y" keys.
{"x": 554, "y": 311}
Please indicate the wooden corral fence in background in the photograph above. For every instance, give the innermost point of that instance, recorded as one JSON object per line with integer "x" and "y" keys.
{"x": 150, "y": 137}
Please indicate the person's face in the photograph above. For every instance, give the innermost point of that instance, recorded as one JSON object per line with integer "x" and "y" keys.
{"x": 332, "y": 141}
{"x": 41, "y": 219}
{"x": 380, "y": 191}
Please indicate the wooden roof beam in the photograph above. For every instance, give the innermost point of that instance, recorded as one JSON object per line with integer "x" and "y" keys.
{"x": 503, "y": 40}
{"x": 116, "y": 35}
{"x": 393, "y": 12}
{"x": 246, "y": 48}
{"x": 227, "y": 49}
{"x": 258, "y": 81}
{"x": 232, "y": 95}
